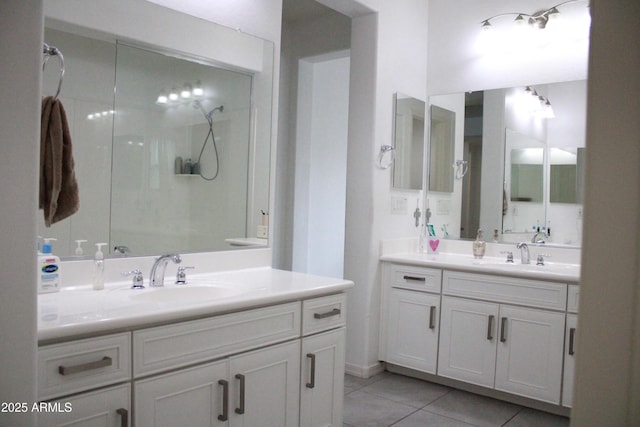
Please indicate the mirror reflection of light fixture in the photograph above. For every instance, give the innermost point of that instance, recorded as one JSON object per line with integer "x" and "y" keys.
{"x": 185, "y": 93}
{"x": 537, "y": 105}
{"x": 173, "y": 95}
{"x": 536, "y": 20}
{"x": 197, "y": 89}
{"x": 162, "y": 98}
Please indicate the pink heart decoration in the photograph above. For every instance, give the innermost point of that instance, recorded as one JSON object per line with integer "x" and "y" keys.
{"x": 433, "y": 244}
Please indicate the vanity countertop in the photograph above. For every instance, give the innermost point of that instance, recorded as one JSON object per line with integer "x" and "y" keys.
{"x": 80, "y": 311}
{"x": 558, "y": 272}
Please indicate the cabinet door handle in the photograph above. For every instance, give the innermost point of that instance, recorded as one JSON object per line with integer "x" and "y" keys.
{"x": 312, "y": 380}
{"x": 124, "y": 417}
{"x": 490, "y": 327}
{"x": 503, "y": 329}
{"x": 69, "y": 370}
{"x": 334, "y": 312}
{"x": 432, "y": 317}
{"x": 240, "y": 408}
{"x": 415, "y": 278}
{"x": 572, "y": 337}
{"x": 225, "y": 400}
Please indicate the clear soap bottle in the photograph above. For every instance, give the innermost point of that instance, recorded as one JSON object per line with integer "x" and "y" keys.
{"x": 98, "y": 268}
{"x": 479, "y": 245}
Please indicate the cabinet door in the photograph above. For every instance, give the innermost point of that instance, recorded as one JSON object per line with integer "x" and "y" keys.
{"x": 189, "y": 397}
{"x": 468, "y": 340}
{"x": 104, "y": 408}
{"x": 265, "y": 387}
{"x": 412, "y": 334}
{"x": 571, "y": 342}
{"x": 322, "y": 382}
{"x": 529, "y": 358}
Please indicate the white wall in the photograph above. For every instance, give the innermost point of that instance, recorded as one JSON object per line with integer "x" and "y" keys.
{"x": 321, "y": 165}
{"x": 20, "y": 81}
{"x": 379, "y": 68}
{"x": 301, "y": 39}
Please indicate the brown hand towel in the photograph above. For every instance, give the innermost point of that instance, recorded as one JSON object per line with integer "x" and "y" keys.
{"x": 58, "y": 187}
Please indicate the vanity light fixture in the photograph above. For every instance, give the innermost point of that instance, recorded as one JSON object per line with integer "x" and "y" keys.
{"x": 538, "y": 20}
{"x": 537, "y": 104}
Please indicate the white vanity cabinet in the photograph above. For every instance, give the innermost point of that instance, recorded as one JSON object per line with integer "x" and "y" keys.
{"x": 516, "y": 349}
{"x": 72, "y": 368}
{"x": 252, "y": 389}
{"x": 261, "y": 387}
{"x": 412, "y": 298}
{"x": 571, "y": 341}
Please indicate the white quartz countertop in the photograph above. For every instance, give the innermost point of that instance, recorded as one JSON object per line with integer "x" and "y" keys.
{"x": 559, "y": 272}
{"x": 80, "y": 311}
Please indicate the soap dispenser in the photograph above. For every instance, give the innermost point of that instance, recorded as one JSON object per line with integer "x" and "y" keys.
{"x": 48, "y": 266}
{"x": 98, "y": 268}
{"x": 479, "y": 245}
{"x": 79, "y": 250}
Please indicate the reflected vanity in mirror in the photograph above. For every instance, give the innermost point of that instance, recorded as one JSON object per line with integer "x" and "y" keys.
{"x": 525, "y": 163}
{"x": 176, "y": 157}
{"x": 409, "y": 142}
{"x": 441, "y": 149}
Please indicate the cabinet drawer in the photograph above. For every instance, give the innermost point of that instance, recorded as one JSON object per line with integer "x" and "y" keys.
{"x": 324, "y": 313}
{"x": 80, "y": 365}
{"x": 572, "y": 298}
{"x": 172, "y": 346}
{"x": 415, "y": 278}
{"x": 532, "y": 293}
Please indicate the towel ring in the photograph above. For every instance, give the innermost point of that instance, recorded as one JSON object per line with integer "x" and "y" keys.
{"x": 48, "y": 52}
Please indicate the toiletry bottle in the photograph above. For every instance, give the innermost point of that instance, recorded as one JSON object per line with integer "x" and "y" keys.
{"x": 496, "y": 235}
{"x": 186, "y": 167}
{"x": 479, "y": 245}
{"x": 98, "y": 268}
{"x": 79, "y": 250}
{"x": 49, "y": 275}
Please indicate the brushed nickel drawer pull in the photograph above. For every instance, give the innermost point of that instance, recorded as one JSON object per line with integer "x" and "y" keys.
{"x": 225, "y": 401}
{"x": 432, "y": 317}
{"x": 124, "y": 417}
{"x": 503, "y": 329}
{"x": 490, "y": 327}
{"x": 572, "y": 337}
{"x": 240, "y": 409}
{"x": 334, "y": 312}
{"x": 414, "y": 278}
{"x": 312, "y": 380}
{"x": 69, "y": 370}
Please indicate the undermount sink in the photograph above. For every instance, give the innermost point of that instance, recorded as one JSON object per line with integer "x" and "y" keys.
{"x": 182, "y": 294}
{"x": 547, "y": 267}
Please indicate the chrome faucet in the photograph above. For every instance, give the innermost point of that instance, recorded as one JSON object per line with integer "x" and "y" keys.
{"x": 524, "y": 252}
{"x": 156, "y": 277}
{"x": 538, "y": 237}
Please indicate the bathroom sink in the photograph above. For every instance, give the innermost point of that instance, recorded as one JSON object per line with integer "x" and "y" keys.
{"x": 182, "y": 294}
{"x": 550, "y": 268}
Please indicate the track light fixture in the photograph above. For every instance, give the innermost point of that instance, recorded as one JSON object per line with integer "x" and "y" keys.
{"x": 536, "y": 20}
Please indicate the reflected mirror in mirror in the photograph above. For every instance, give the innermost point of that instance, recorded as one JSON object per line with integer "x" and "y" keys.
{"x": 127, "y": 147}
{"x": 441, "y": 149}
{"x": 408, "y": 167}
{"x": 486, "y": 199}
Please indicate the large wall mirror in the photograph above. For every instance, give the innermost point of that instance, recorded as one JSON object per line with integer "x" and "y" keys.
{"x": 525, "y": 158}
{"x": 133, "y": 142}
{"x": 409, "y": 142}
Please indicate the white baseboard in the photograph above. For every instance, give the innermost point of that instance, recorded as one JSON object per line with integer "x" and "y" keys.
{"x": 363, "y": 371}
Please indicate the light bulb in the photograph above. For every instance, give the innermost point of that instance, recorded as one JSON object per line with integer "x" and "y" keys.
{"x": 162, "y": 98}
{"x": 173, "y": 95}
{"x": 197, "y": 89}
{"x": 186, "y": 91}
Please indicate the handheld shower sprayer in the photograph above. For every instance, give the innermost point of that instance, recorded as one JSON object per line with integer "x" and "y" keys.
{"x": 208, "y": 115}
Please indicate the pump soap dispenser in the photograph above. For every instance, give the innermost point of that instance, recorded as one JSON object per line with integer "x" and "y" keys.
{"x": 98, "y": 268}
{"x": 48, "y": 266}
{"x": 479, "y": 245}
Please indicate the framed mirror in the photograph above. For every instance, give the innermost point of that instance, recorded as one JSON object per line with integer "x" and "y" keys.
{"x": 166, "y": 107}
{"x": 409, "y": 142}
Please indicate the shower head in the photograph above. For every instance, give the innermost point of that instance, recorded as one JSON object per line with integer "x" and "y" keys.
{"x": 207, "y": 114}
